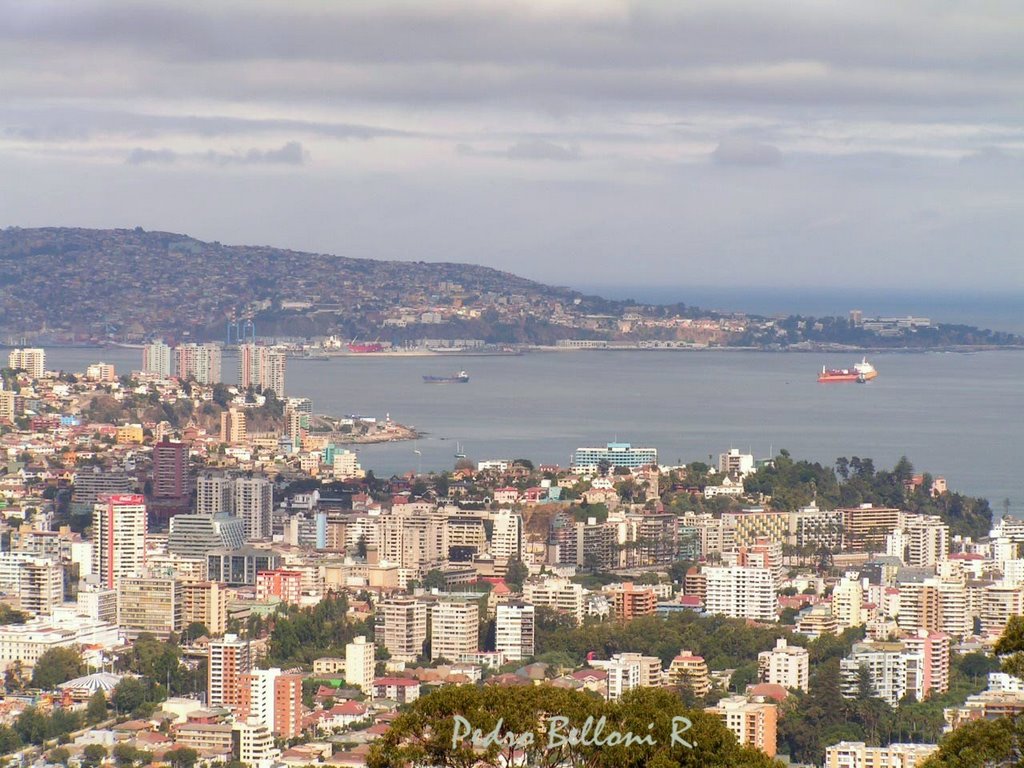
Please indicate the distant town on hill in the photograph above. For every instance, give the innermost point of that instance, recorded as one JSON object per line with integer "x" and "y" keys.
{"x": 81, "y": 286}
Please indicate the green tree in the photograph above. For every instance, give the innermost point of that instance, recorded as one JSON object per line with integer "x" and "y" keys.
{"x": 59, "y": 755}
{"x": 56, "y": 666}
{"x": 434, "y": 580}
{"x": 96, "y": 711}
{"x": 128, "y": 695}
{"x": 127, "y": 756}
{"x": 93, "y": 755}
{"x": 516, "y": 573}
{"x": 181, "y": 757}
{"x": 981, "y": 744}
{"x": 10, "y": 741}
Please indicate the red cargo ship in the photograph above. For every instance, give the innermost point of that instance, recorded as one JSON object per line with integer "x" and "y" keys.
{"x": 861, "y": 372}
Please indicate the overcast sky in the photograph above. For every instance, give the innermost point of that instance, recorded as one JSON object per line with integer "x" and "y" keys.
{"x": 729, "y": 142}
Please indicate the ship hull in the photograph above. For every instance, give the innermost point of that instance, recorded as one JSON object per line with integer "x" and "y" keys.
{"x": 836, "y": 378}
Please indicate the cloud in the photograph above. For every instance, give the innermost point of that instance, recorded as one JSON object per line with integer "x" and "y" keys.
{"x": 291, "y": 153}
{"x": 141, "y": 156}
{"x": 740, "y": 150}
{"x": 541, "y": 149}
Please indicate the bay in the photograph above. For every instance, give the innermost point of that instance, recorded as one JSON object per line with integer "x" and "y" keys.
{"x": 958, "y": 415}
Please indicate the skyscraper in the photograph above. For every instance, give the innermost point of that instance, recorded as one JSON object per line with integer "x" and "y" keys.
{"x": 401, "y": 627}
{"x": 514, "y": 630}
{"x": 359, "y": 664}
{"x": 200, "y": 361}
{"x": 214, "y": 494}
{"x": 254, "y": 503}
{"x": 157, "y": 358}
{"x": 170, "y": 478}
{"x": 262, "y": 367}
{"x": 119, "y": 537}
{"x": 454, "y": 630}
{"x": 229, "y": 661}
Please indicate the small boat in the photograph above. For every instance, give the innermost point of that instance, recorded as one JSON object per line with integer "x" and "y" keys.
{"x": 460, "y": 378}
{"x": 459, "y": 453}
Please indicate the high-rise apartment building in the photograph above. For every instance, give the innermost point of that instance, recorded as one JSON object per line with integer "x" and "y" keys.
{"x": 785, "y": 665}
{"x": 689, "y": 670}
{"x": 254, "y": 504}
{"x": 229, "y": 662}
{"x": 32, "y": 361}
{"x": 587, "y": 460}
{"x": 214, "y": 494}
{"x": 401, "y": 627}
{"x": 273, "y": 700}
{"x": 157, "y": 358}
{"x": 754, "y": 724}
{"x": 200, "y": 361}
{"x": 934, "y": 648}
{"x": 261, "y": 367}
{"x": 205, "y": 602}
{"x": 119, "y": 537}
{"x": 742, "y": 593}
{"x": 515, "y": 630}
{"x": 561, "y": 594}
{"x": 150, "y": 606}
{"x": 282, "y": 584}
{"x": 848, "y": 603}
{"x": 233, "y": 426}
{"x": 857, "y": 754}
{"x": 41, "y": 586}
{"x": 91, "y": 482}
{"x": 170, "y": 480}
{"x": 196, "y": 535}
{"x": 507, "y": 536}
{"x": 6, "y": 405}
{"x": 454, "y": 630}
{"x": 360, "y": 663}
{"x": 893, "y": 670}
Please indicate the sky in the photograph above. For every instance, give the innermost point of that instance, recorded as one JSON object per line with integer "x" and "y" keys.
{"x": 734, "y": 143}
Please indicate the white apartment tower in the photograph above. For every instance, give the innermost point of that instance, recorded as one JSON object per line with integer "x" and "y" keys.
{"x": 119, "y": 537}
{"x": 454, "y": 630}
{"x": 214, "y": 495}
{"x": 401, "y": 627}
{"x": 157, "y": 358}
{"x": 784, "y": 665}
{"x": 254, "y": 503}
{"x": 507, "y": 536}
{"x": 360, "y": 662}
{"x": 262, "y": 367}
{"x": 514, "y": 630}
{"x": 200, "y": 361}
{"x": 32, "y": 361}
{"x": 742, "y": 593}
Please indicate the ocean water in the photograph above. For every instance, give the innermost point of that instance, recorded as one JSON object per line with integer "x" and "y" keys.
{"x": 958, "y": 415}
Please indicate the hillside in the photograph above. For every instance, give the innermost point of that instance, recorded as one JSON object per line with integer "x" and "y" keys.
{"x": 83, "y": 284}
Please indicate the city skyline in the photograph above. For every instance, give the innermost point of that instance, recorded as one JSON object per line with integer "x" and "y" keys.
{"x": 834, "y": 144}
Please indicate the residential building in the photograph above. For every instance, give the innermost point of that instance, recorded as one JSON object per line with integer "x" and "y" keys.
{"x": 998, "y": 603}
{"x": 283, "y": 584}
{"x": 170, "y": 480}
{"x": 934, "y": 647}
{"x": 401, "y": 627}
{"x": 273, "y": 700}
{"x": 507, "y": 536}
{"x": 93, "y": 482}
{"x": 233, "y": 426}
{"x": 119, "y": 537}
{"x": 201, "y": 362}
{"x": 587, "y": 460}
{"x": 626, "y": 671}
{"x": 856, "y": 754}
{"x": 454, "y": 629}
{"x": 229, "y": 661}
{"x": 40, "y": 586}
{"x": 515, "y": 630}
{"x": 893, "y": 671}
{"x": 32, "y": 361}
{"x": 360, "y": 663}
{"x": 254, "y": 504}
{"x": 6, "y": 406}
{"x": 688, "y": 669}
{"x": 628, "y": 601}
{"x": 97, "y": 603}
{"x": 743, "y": 593}
{"x": 157, "y": 358}
{"x": 848, "y": 603}
{"x": 561, "y": 594}
{"x": 253, "y": 745}
{"x": 214, "y": 494}
{"x": 399, "y": 689}
{"x": 150, "y": 606}
{"x": 817, "y": 621}
{"x": 261, "y": 367}
{"x": 785, "y": 665}
{"x": 865, "y": 527}
{"x": 735, "y": 463}
{"x": 205, "y": 602}
{"x": 753, "y": 723}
